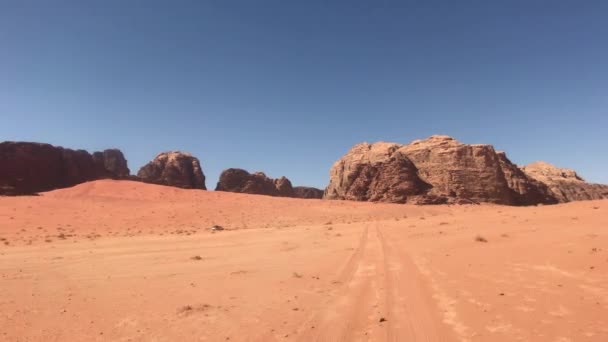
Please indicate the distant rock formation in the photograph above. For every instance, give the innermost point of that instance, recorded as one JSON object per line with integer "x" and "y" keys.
{"x": 113, "y": 161}
{"x": 174, "y": 168}
{"x": 239, "y": 180}
{"x": 28, "y": 167}
{"x": 565, "y": 184}
{"x": 307, "y": 192}
{"x": 438, "y": 170}
{"x": 526, "y": 189}
{"x": 283, "y": 186}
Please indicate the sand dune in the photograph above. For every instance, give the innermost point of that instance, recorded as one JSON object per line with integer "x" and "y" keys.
{"x": 126, "y": 261}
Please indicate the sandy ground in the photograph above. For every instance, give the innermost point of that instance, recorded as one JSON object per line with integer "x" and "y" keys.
{"x": 124, "y": 261}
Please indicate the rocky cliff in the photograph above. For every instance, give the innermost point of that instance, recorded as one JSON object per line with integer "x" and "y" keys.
{"x": 565, "y": 184}
{"x": 438, "y": 170}
{"x": 27, "y": 167}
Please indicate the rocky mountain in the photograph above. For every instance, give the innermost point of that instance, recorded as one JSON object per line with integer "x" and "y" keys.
{"x": 307, "y": 192}
{"x": 28, "y": 167}
{"x": 179, "y": 169}
{"x": 565, "y": 184}
{"x": 239, "y": 180}
{"x": 113, "y": 161}
{"x": 436, "y": 170}
{"x": 375, "y": 172}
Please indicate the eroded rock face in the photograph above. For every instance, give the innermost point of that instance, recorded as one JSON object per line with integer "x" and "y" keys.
{"x": 526, "y": 190}
{"x": 307, "y": 192}
{"x": 375, "y": 172}
{"x": 28, "y": 167}
{"x": 239, "y": 180}
{"x": 436, "y": 170}
{"x": 565, "y": 184}
{"x": 284, "y": 187}
{"x": 174, "y": 168}
{"x": 459, "y": 170}
{"x": 113, "y": 161}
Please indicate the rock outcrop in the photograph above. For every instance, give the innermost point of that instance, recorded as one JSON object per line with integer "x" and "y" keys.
{"x": 526, "y": 189}
{"x": 565, "y": 184}
{"x": 375, "y": 172}
{"x": 307, "y": 192}
{"x": 458, "y": 170}
{"x": 28, "y": 167}
{"x": 440, "y": 170}
{"x": 239, "y": 180}
{"x": 283, "y": 186}
{"x": 113, "y": 161}
{"x": 174, "y": 168}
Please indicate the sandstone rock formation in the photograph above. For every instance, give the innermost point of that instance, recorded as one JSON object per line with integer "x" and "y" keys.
{"x": 375, "y": 172}
{"x": 526, "y": 190}
{"x": 239, "y": 180}
{"x": 113, "y": 161}
{"x": 174, "y": 168}
{"x": 439, "y": 170}
{"x": 459, "y": 170}
{"x": 284, "y": 187}
{"x": 307, "y": 192}
{"x": 565, "y": 184}
{"x": 27, "y": 167}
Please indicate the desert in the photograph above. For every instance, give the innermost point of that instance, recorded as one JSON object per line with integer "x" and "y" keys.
{"x": 118, "y": 260}
{"x": 303, "y": 171}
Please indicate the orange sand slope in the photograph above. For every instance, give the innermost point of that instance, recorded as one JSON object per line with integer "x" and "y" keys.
{"x": 125, "y": 261}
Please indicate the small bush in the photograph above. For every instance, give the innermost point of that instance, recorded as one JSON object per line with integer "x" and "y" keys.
{"x": 480, "y": 238}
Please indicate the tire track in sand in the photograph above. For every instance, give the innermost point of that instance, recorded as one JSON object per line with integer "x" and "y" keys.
{"x": 354, "y": 311}
{"x": 382, "y": 298}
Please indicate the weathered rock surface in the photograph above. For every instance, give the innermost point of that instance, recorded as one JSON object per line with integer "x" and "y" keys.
{"x": 28, "y": 167}
{"x": 174, "y": 168}
{"x": 526, "y": 190}
{"x": 458, "y": 170}
{"x": 239, "y": 180}
{"x": 565, "y": 184}
{"x": 113, "y": 161}
{"x": 375, "y": 172}
{"x": 284, "y": 187}
{"x": 307, "y": 192}
{"x": 440, "y": 170}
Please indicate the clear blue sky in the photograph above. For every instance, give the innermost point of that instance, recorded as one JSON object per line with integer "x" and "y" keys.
{"x": 287, "y": 87}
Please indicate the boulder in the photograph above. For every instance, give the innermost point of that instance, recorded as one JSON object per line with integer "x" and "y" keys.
{"x": 179, "y": 169}
{"x": 29, "y": 167}
{"x": 565, "y": 184}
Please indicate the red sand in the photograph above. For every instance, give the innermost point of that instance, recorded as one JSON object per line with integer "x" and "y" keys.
{"x": 126, "y": 261}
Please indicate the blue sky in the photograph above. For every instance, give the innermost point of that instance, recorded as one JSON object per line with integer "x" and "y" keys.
{"x": 287, "y": 87}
